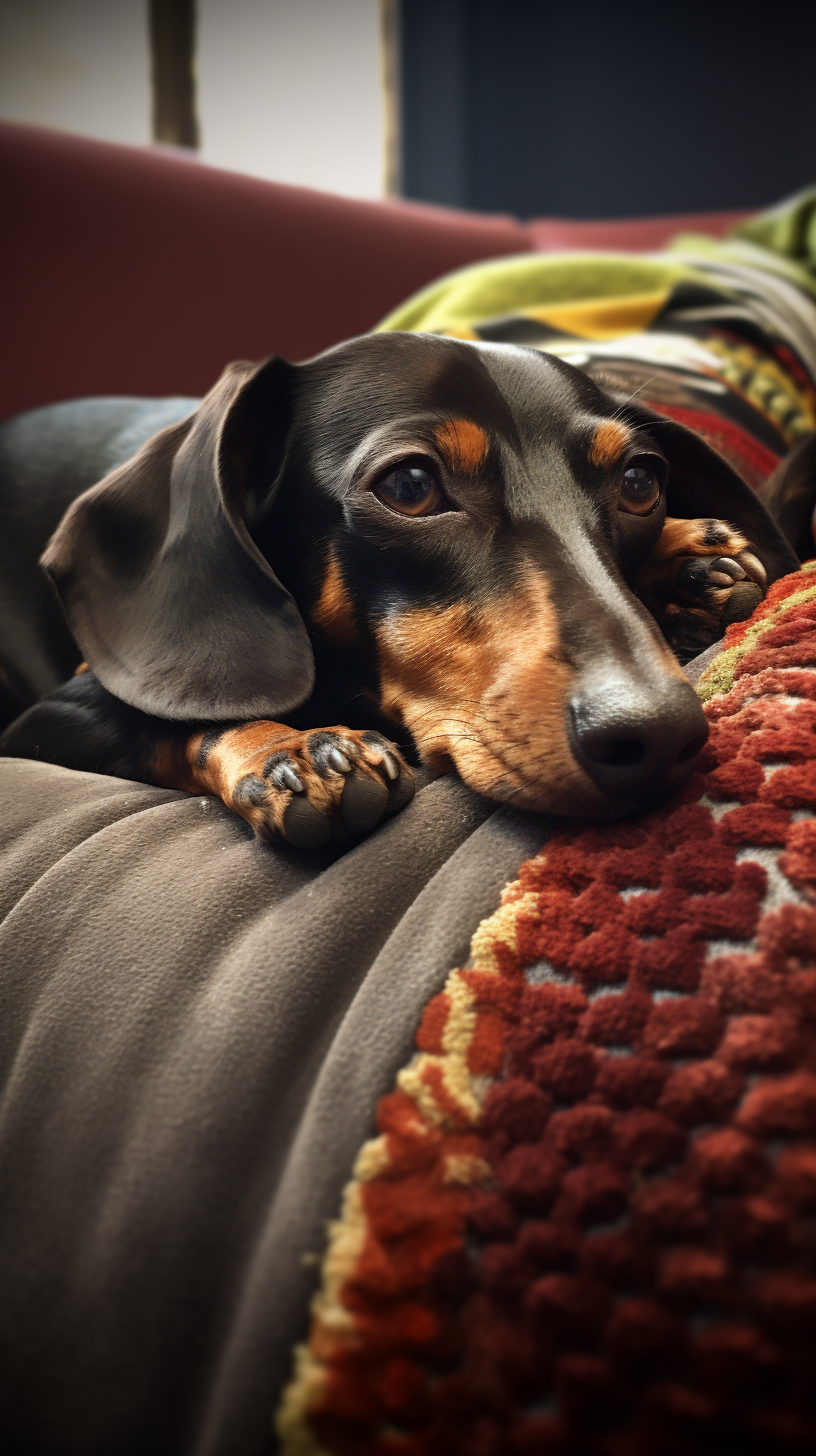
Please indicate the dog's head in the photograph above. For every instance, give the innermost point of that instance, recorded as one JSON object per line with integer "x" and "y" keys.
{"x": 450, "y": 529}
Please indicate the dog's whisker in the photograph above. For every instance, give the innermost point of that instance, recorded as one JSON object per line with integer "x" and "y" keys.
{"x": 616, "y": 414}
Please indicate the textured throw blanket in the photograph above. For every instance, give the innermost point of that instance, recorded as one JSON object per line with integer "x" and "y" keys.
{"x": 586, "y": 1225}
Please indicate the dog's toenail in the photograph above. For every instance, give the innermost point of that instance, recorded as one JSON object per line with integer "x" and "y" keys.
{"x": 754, "y": 566}
{"x": 338, "y": 761}
{"x": 280, "y": 769}
{"x": 725, "y": 565}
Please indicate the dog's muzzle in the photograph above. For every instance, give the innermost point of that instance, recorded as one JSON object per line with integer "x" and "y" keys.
{"x": 635, "y": 740}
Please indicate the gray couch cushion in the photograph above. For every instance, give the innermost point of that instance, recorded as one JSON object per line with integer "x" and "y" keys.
{"x": 194, "y": 1032}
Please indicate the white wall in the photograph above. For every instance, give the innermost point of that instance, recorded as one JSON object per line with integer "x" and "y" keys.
{"x": 291, "y": 89}
{"x": 82, "y": 65}
{"x": 288, "y": 89}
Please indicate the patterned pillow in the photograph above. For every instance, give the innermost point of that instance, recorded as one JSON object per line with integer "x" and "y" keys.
{"x": 587, "y": 1224}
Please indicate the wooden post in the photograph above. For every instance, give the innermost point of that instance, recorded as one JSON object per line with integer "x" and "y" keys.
{"x": 390, "y": 70}
{"x": 173, "y": 68}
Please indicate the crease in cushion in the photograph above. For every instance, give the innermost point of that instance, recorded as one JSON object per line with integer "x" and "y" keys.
{"x": 194, "y": 1031}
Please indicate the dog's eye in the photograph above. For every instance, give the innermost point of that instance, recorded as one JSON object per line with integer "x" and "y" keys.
{"x": 640, "y": 491}
{"x": 410, "y": 490}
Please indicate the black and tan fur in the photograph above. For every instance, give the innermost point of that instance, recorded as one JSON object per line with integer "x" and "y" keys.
{"x": 241, "y": 582}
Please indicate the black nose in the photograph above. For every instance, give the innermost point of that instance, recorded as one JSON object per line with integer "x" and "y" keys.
{"x": 636, "y": 740}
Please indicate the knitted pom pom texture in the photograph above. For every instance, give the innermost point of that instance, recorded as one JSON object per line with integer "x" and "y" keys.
{"x": 588, "y": 1222}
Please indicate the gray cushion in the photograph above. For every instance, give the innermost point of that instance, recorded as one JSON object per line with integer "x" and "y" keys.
{"x": 194, "y": 1032}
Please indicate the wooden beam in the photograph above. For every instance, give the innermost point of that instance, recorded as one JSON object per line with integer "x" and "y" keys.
{"x": 173, "y": 68}
{"x": 390, "y": 71}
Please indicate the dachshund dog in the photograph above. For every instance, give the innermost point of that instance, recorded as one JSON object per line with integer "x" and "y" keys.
{"x": 469, "y": 548}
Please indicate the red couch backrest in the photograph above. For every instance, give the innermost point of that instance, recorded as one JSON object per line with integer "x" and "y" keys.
{"x": 137, "y": 271}
{"x": 140, "y": 271}
{"x": 629, "y": 234}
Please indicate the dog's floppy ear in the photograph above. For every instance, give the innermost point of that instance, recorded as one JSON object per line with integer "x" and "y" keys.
{"x": 171, "y": 602}
{"x": 702, "y": 483}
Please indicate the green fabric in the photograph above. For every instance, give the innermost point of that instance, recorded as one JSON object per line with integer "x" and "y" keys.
{"x": 747, "y": 254}
{"x": 780, "y": 241}
{"x": 510, "y": 285}
{"x": 788, "y": 229}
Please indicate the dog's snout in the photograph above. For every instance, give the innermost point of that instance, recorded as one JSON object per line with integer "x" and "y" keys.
{"x": 635, "y": 740}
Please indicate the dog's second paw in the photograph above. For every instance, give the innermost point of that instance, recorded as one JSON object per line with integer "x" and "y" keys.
{"x": 702, "y": 576}
{"x": 310, "y": 787}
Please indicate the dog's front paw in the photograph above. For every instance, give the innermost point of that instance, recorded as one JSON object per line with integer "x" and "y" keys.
{"x": 702, "y": 576}
{"x": 309, "y": 787}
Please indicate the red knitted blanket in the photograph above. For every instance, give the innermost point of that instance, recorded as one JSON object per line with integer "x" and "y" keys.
{"x": 587, "y": 1224}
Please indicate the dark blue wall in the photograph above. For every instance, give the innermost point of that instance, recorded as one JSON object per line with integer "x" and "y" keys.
{"x": 606, "y": 110}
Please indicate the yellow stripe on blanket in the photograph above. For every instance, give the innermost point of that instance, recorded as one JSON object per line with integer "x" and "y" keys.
{"x": 604, "y": 318}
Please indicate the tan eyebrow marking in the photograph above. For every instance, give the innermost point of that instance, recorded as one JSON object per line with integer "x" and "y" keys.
{"x": 463, "y": 444}
{"x": 333, "y": 610}
{"x": 608, "y": 442}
